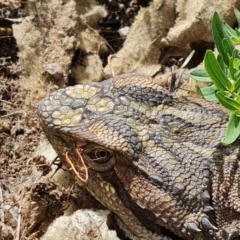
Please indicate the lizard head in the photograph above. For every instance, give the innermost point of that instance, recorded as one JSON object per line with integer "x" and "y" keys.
{"x": 143, "y": 153}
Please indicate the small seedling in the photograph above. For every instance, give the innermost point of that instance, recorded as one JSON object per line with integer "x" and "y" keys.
{"x": 223, "y": 71}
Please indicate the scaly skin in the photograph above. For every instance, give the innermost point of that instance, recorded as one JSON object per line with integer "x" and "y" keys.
{"x": 153, "y": 158}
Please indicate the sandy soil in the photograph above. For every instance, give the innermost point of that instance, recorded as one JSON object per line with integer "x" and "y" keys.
{"x": 50, "y": 44}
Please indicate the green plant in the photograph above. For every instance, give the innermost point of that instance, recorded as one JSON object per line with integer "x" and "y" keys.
{"x": 223, "y": 70}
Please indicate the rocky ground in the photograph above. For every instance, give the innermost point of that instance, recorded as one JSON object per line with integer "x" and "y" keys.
{"x": 48, "y": 44}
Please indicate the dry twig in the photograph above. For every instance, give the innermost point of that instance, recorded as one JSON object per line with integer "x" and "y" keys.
{"x": 1, "y": 205}
{"x": 18, "y": 224}
{"x": 110, "y": 57}
{"x": 78, "y": 166}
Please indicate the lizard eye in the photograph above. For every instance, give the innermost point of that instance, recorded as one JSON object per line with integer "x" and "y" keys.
{"x": 99, "y": 159}
{"x": 99, "y": 154}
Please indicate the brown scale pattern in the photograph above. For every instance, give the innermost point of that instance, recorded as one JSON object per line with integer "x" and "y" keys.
{"x": 154, "y": 159}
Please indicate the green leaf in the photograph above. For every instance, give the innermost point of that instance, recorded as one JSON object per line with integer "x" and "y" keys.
{"x": 215, "y": 72}
{"x": 208, "y": 93}
{"x": 220, "y": 61}
{"x": 233, "y": 34}
{"x": 229, "y": 30}
{"x": 236, "y": 63}
{"x": 211, "y": 98}
{"x": 233, "y": 129}
{"x": 230, "y": 104}
{"x": 235, "y": 55}
{"x": 238, "y": 32}
{"x": 236, "y": 41}
{"x": 237, "y": 13}
{"x": 199, "y": 91}
{"x": 209, "y": 90}
{"x": 237, "y": 84}
{"x": 231, "y": 68}
{"x": 219, "y": 33}
{"x": 236, "y": 77}
{"x": 228, "y": 49}
{"x": 200, "y": 75}
{"x": 237, "y": 113}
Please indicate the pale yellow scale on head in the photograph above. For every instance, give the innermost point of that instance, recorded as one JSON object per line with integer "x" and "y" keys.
{"x": 98, "y": 104}
{"x": 95, "y": 104}
{"x": 82, "y": 91}
{"x": 67, "y": 116}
